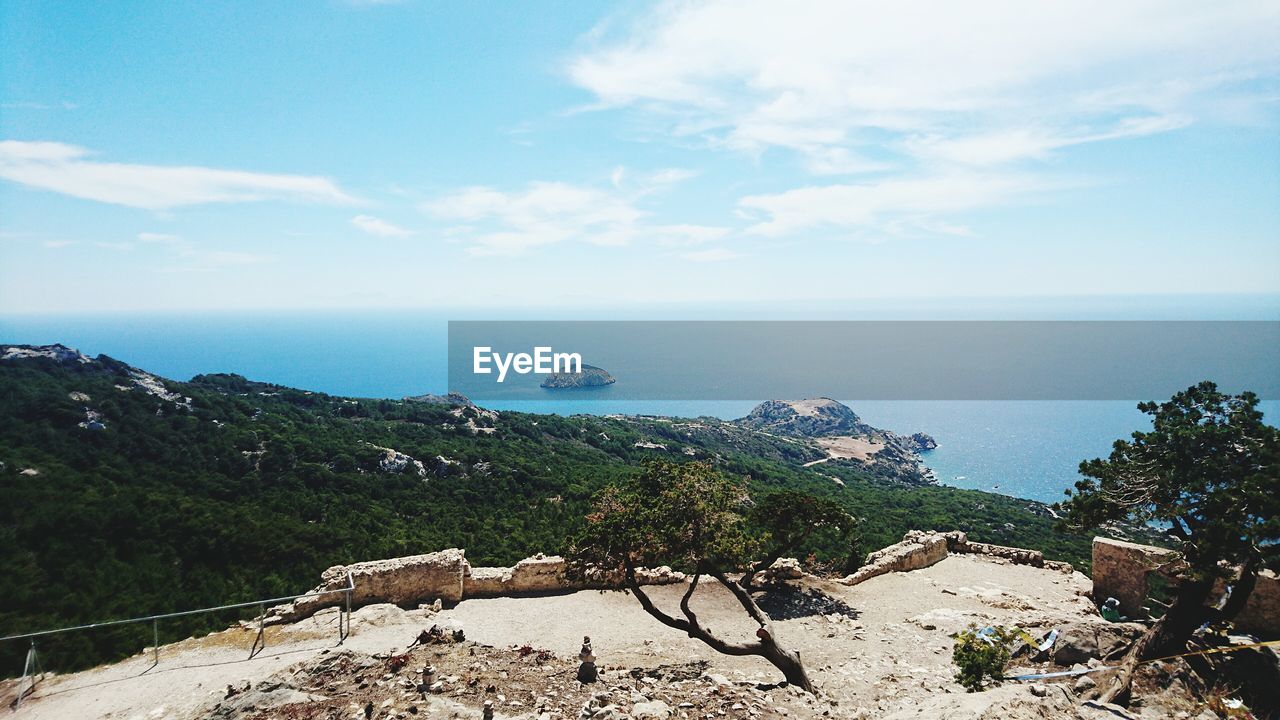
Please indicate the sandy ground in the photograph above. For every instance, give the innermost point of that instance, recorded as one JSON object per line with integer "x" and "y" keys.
{"x": 844, "y": 447}
{"x": 194, "y": 672}
{"x": 882, "y": 645}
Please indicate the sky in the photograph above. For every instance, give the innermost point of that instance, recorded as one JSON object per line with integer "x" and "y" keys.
{"x": 161, "y": 156}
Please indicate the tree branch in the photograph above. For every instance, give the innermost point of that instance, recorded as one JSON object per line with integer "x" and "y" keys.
{"x": 692, "y": 628}
{"x": 744, "y": 598}
{"x": 684, "y": 601}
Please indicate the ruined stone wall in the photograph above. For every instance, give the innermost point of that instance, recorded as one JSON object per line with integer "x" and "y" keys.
{"x": 1261, "y": 615}
{"x": 1122, "y": 570}
{"x": 918, "y": 549}
{"x": 448, "y": 577}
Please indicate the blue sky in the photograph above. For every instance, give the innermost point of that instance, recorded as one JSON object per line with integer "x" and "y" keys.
{"x": 329, "y": 154}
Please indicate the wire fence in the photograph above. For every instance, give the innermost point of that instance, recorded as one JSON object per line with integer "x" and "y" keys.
{"x": 31, "y": 669}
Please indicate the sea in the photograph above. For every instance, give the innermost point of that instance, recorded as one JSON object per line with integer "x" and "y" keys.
{"x": 1027, "y": 449}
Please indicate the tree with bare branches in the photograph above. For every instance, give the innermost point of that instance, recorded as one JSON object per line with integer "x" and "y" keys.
{"x": 699, "y": 520}
{"x": 1209, "y": 470}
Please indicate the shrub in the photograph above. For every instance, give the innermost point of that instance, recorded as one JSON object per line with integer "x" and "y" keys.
{"x": 983, "y": 653}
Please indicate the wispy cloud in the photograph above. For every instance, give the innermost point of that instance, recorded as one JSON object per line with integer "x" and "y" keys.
{"x": 68, "y": 169}
{"x": 117, "y": 246}
{"x": 898, "y": 206}
{"x": 545, "y": 213}
{"x": 710, "y": 255}
{"x": 377, "y": 226}
{"x": 27, "y": 105}
{"x": 940, "y": 111}
{"x": 987, "y": 81}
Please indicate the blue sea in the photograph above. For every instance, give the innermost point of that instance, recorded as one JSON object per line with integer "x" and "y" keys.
{"x": 1027, "y": 449}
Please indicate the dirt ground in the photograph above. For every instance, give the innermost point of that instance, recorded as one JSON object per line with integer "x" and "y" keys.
{"x": 873, "y": 648}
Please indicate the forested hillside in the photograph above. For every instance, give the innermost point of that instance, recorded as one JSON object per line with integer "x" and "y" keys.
{"x": 125, "y": 494}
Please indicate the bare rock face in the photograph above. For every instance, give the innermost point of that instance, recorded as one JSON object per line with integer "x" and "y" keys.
{"x": 807, "y": 418}
{"x": 918, "y": 549}
{"x": 1083, "y": 641}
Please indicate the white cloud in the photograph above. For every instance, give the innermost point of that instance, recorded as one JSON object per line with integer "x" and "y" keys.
{"x": 379, "y": 227}
{"x": 162, "y": 238}
{"x": 687, "y": 234}
{"x": 710, "y": 255}
{"x": 982, "y": 82}
{"x": 67, "y": 169}
{"x": 899, "y": 206}
{"x": 545, "y": 213}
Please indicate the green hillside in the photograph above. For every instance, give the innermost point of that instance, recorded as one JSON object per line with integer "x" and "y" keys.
{"x": 122, "y": 498}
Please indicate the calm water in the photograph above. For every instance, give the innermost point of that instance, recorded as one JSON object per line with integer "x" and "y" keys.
{"x": 1027, "y": 449}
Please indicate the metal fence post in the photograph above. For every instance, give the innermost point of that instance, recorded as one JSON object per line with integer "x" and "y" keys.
{"x": 29, "y": 670}
{"x": 155, "y": 639}
{"x": 342, "y": 634}
{"x": 259, "y": 642}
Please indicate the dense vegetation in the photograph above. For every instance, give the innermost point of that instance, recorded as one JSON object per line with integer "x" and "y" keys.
{"x": 1208, "y": 469}
{"x": 251, "y": 490}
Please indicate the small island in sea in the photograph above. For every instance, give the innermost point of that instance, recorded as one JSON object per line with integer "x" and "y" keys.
{"x": 590, "y": 376}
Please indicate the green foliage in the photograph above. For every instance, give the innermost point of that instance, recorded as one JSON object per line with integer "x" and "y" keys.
{"x": 1209, "y": 469}
{"x": 982, "y": 654}
{"x": 685, "y": 515}
{"x": 254, "y": 489}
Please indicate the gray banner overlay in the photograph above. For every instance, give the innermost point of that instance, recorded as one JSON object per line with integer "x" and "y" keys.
{"x": 869, "y": 360}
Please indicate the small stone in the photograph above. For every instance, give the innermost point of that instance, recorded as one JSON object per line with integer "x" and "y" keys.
{"x": 1084, "y": 684}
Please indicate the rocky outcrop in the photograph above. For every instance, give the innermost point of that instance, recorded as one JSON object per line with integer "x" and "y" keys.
{"x": 1080, "y": 642}
{"x": 921, "y": 442}
{"x": 454, "y": 398}
{"x": 394, "y": 461}
{"x": 807, "y": 418}
{"x": 918, "y": 549}
{"x": 591, "y": 376}
{"x": 56, "y": 352}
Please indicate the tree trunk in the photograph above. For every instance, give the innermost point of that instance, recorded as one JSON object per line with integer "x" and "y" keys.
{"x": 1168, "y": 636}
{"x": 788, "y": 662}
{"x": 766, "y": 647}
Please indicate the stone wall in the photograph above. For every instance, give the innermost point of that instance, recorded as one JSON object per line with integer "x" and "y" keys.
{"x": 402, "y": 581}
{"x": 1122, "y": 570}
{"x": 448, "y": 577}
{"x": 548, "y": 574}
{"x": 920, "y": 549}
{"x": 917, "y": 550}
{"x": 1261, "y": 615}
